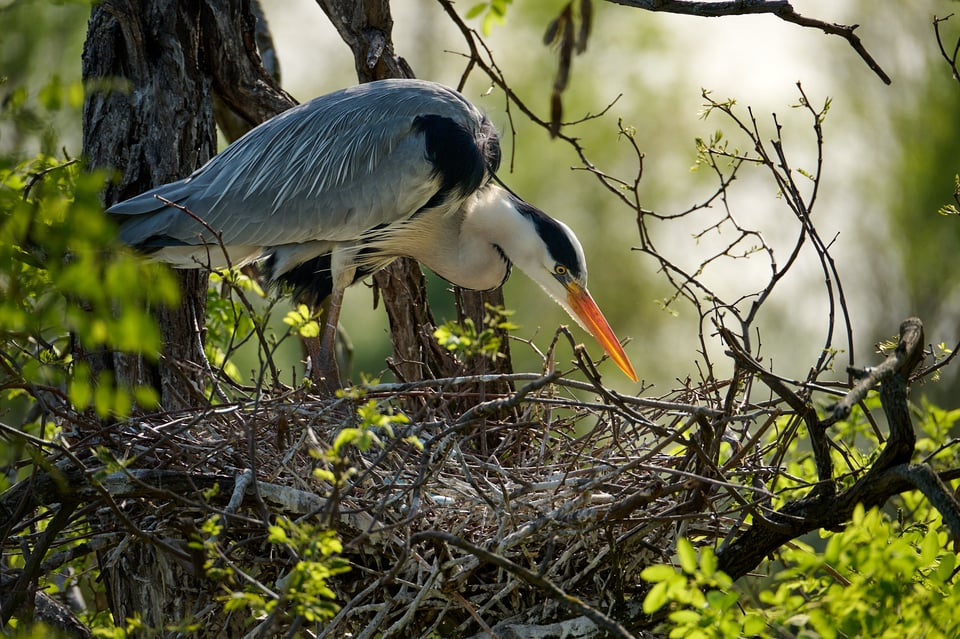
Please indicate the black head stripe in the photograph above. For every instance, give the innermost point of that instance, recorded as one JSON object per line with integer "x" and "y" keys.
{"x": 461, "y": 160}
{"x": 554, "y": 236}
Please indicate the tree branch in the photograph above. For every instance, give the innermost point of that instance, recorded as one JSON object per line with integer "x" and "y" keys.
{"x": 237, "y": 70}
{"x": 953, "y": 56}
{"x": 27, "y": 580}
{"x": 889, "y": 475}
{"x": 780, "y": 8}
{"x": 903, "y": 360}
{"x": 611, "y": 626}
{"x": 933, "y": 488}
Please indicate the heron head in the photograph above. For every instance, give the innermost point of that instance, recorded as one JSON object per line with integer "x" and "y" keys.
{"x": 554, "y": 259}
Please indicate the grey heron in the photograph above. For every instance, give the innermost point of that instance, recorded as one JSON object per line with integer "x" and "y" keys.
{"x": 334, "y": 189}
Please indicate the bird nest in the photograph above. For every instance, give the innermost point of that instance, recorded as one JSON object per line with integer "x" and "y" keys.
{"x": 461, "y": 513}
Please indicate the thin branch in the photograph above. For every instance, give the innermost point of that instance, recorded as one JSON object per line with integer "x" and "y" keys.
{"x": 888, "y": 476}
{"x": 31, "y": 570}
{"x": 906, "y": 356}
{"x": 929, "y": 483}
{"x": 953, "y": 56}
{"x": 567, "y": 601}
{"x": 780, "y": 8}
{"x": 41, "y": 174}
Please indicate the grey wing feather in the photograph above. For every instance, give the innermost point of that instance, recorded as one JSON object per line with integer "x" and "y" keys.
{"x": 329, "y": 169}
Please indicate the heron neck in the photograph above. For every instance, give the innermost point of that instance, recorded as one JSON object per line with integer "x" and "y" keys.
{"x": 475, "y": 246}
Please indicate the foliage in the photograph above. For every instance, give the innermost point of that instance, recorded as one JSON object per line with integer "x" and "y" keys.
{"x": 880, "y": 576}
{"x": 305, "y": 586}
{"x": 373, "y": 428}
{"x": 231, "y": 319}
{"x": 463, "y": 338}
{"x": 493, "y": 12}
{"x": 303, "y": 321}
{"x": 64, "y": 283}
{"x": 702, "y": 601}
{"x": 303, "y": 591}
{"x": 876, "y": 578}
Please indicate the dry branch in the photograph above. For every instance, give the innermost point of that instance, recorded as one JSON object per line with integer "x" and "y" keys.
{"x": 889, "y": 475}
{"x": 783, "y": 9}
{"x": 518, "y": 523}
{"x": 953, "y": 56}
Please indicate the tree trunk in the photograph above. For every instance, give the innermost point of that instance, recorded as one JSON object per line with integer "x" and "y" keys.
{"x": 151, "y": 68}
{"x": 148, "y": 112}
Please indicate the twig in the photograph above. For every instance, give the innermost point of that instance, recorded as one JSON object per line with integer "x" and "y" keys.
{"x": 31, "y": 570}
{"x": 951, "y": 58}
{"x": 780, "y": 8}
{"x": 904, "y": 359}
{"x": 36, "y": 176}
{"x": 568, "y": 601}
{"x": 818, "y": 438}
{"x": 933, "y": 488}
{"x": 496, "y": 405}
{"x": 257, "y": 327}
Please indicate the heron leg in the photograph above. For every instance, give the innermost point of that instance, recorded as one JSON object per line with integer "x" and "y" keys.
{"x": 324, "y": 370}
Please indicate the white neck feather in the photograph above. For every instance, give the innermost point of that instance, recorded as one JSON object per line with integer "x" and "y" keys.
{"x": 464, "y": 246}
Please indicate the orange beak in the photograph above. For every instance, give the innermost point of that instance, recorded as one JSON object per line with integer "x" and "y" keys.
{"x": 596, "y": 324}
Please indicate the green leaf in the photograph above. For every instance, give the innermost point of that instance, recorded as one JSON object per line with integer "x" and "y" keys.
{"x": 708, "y": 562}
{"x": 753, "y": 624}
{"x": 930, "y": 548}
{"x": 945, "y": 567}
{"x": 476, "y": 10}
{"x": 344, "y": 438}
{"x": 658, "y": 573}
{"x": 330, "y": 544}
{"x": 322, "y": 474}
{"x": 277, "y": 535}
{"x": 656, "y": 598}
{"x": 687, "y": 556}
{"x": 686, "y": 617}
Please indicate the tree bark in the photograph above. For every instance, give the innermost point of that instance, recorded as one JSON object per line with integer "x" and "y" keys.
{"x": 149, "y": 114}
{"x": 151, "y": 68}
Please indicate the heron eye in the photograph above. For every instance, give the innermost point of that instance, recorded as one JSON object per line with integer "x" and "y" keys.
{"x": 560, "y": 269}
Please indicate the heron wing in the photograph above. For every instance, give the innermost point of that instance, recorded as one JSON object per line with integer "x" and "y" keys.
{"x": 330, "y": 169}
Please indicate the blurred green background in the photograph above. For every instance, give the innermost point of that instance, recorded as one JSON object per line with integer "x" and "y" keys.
{"x": 891, "y": 154}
